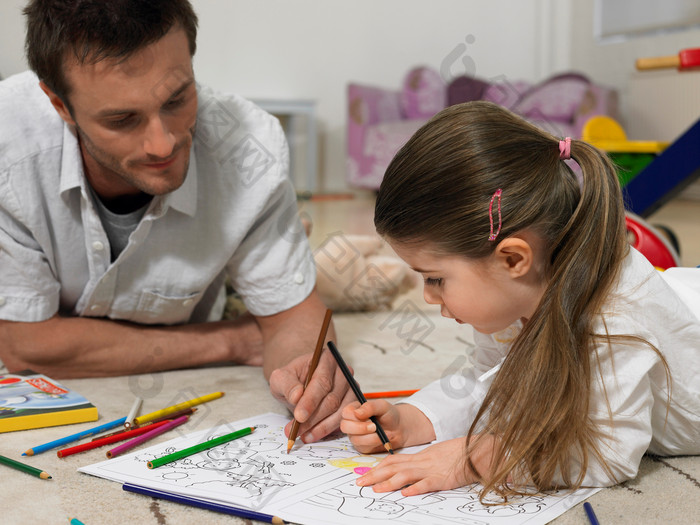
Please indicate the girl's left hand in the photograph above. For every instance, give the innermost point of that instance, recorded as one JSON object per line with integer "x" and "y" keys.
{"x": 438, "y": 467}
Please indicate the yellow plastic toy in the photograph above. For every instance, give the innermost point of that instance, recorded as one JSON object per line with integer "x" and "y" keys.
{"x": 630, "y": 156}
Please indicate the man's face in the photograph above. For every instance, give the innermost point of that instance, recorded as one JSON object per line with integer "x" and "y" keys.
{"x": 135, "y": 119}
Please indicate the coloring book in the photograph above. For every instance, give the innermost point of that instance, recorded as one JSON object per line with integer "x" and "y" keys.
{"x": 313, "y": 484}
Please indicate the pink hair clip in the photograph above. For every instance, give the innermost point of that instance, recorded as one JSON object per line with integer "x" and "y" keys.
{"x": 565, "y": 148}
{"x": 496, "y": 195}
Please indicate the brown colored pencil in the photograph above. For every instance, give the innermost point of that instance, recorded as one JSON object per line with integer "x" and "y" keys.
{"x": 312, "y": 367}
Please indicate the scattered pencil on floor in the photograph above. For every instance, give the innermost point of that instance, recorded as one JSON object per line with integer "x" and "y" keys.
{"x": 393, "y": 393}
{"x": 108, "y": 440}
{"x": 206, "y": 445}
{"x": 169, "y": 411}
{"x": 589, "y": 512}
{"x": 147, "y": 436}
{"x": 202, "y": 504}
{"x": 24, "y": 468}
{"x": 74, "y": 437}
{"x": 133, "y": 412}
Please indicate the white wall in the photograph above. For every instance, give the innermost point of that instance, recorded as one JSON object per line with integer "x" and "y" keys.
{"x": 311, "y": 49}
{"x": 656, "y": 105}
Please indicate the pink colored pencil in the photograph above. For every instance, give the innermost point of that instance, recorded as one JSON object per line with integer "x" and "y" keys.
{"x": 145, "y": 437}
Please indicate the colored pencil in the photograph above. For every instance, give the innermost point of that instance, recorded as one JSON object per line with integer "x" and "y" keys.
{"x": 74, "y": 437}
{"x": 194, "y": 449}
{"x": 75, "y": 521}
{"x": 359, "y": 395}
{"x": 186, "y": 412}
{"x": 169, "y": 425}
{"x": 176, "y": 408}
{"x": 589, "y": 512}
{"x": 312, "y": 368}
{"x": 209, "y": 505}
{"x": 132, "y": 413}
{"x": 393, "y": 393}
{"x": 108, "y": 440}
{"x": 24, "y": 468}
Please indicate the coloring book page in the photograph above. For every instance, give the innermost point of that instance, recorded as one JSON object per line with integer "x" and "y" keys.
{"x": 313, "y": 484}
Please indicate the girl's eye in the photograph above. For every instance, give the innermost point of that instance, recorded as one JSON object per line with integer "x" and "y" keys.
{"x": 431, "y": 281}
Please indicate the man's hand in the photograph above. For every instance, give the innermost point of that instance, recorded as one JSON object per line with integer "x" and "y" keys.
{"x": 290, "y": 338}
{"x": 317, "y": 408}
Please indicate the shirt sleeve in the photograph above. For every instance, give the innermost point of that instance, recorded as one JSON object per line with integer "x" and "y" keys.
{"x": 273, "y": 268}
{"x": 451, "y": 402}
{"x": 29, "y": 290}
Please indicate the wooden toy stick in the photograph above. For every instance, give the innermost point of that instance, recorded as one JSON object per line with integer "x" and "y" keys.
{"x": 686, "y": 59}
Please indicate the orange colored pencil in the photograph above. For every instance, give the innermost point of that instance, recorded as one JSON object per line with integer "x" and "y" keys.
{"x": 127, "y": 434}
{"x": 393, "y": 393}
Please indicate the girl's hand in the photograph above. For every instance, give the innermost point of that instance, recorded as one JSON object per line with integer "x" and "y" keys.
{"x": 361, "y": 430}
{"x": 441, "y": 466}
{"x": 438, "y": 467}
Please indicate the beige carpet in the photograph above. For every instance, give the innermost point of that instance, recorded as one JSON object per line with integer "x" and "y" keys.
{"x": 402, "y": 349}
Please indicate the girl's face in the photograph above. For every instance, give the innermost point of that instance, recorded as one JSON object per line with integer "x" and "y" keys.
{"x": 480, "y": 292}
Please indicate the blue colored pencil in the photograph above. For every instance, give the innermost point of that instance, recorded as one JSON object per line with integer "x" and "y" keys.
{"x": 589, "y": 512}
{"x": 194, "y": 502}
{"x": 74, "y": 437}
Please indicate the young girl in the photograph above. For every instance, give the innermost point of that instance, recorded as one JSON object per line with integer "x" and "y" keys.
{"x": 587, "y": 357}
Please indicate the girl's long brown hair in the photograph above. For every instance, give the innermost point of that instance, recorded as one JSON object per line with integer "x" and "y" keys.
{"x": 437, "y": 190}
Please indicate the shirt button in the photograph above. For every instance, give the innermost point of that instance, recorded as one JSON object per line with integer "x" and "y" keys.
{"x": 2, "y": 301}
{"x": 95, "y": 307}
{"x": 98, "y": 246}
{"x": 298, "y": 278}
{"x": 187, "y": 302}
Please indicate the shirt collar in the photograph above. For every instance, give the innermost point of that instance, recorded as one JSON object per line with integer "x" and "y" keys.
{"x": 183, "y": 199}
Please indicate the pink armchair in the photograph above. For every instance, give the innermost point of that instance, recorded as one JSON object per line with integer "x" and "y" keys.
{"x": 380, "y": 121}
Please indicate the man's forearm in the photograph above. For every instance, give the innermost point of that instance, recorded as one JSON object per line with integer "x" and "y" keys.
{"x": 293, "y": 333}
{"x": 86, "y": 347}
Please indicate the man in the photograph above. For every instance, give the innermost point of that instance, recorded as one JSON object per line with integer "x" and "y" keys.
{"x": 119, "y": 222}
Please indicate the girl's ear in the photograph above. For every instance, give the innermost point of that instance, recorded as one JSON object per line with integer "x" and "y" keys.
{"x": 515, "y": 256}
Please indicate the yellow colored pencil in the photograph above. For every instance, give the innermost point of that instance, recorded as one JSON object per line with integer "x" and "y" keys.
{"x": 176, "y": 408}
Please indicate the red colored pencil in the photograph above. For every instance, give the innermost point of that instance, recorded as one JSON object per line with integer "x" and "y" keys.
{"x": 147, "y": 436}
{"x": 393, "y": 393}
{"x": 114, "y": 438}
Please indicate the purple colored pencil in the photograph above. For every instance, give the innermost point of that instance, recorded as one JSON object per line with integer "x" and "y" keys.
{"x": 145, "y": 437}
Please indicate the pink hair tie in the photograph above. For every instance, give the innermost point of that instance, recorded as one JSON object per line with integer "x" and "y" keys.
{"x": 496, "y": 195}
{"x": 565, "y": 148}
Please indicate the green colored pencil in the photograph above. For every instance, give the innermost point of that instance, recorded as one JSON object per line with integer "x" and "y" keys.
{"x": 155, "y": 463}
{"x": 24, "y": 468}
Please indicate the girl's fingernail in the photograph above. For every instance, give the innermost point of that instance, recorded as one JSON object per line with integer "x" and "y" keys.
{"x": 371, "y": 427}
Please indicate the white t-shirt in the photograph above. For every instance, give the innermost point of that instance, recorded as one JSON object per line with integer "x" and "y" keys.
{"x": 235, "y": 214}
{"x": 661, "y": 308}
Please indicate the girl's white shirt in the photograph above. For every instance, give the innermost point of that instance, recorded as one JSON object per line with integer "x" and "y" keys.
{"x": 629, "y": 390}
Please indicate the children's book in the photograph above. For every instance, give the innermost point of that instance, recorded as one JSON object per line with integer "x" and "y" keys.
{"x": 312, "y": 485}
{"x": 30, "y": 400}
